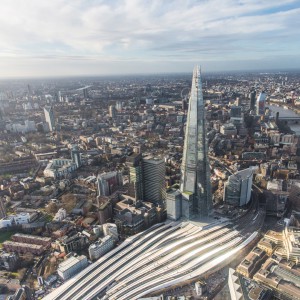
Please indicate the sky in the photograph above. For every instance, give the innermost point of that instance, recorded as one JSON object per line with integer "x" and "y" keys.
{"x": 40, "y": 38}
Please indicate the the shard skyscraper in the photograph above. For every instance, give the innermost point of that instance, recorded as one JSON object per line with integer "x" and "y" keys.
{"x": 195, "y": 184}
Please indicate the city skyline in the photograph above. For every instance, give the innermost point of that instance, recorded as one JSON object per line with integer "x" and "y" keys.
{"x": 61, "y": 38}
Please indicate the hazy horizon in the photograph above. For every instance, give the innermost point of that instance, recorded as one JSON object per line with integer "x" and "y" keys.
{"x": 187, "y": 73}
{"x": 61, "y": 38}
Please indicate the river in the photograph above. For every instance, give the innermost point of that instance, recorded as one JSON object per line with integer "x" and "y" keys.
{"x": 285, "y": 113}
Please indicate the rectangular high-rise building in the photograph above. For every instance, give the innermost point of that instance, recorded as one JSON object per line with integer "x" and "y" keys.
{"x": 146, "y": 178}
{"x": 154, "y": 171}
{"x": 85, "y": 93}
{"x": 252, "y": 97}
{"x": 237, "y": 190}
{"x": 135, "y": 187}
{"x": 261, "y": 103}
{"x": 195, "y": 173}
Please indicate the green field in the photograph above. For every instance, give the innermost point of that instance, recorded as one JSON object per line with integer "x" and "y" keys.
{"x": 5, "y": 235}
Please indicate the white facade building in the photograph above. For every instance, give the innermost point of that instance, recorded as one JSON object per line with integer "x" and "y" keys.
{"x": 60, "y": 215}
{"x": 21, "y": 218}
{"x": 173, "y": 204}
{"x": 58, "y": 168}
{"x": 18, "y": 219}
{"x": 112, "y": 230}
{"x": 228, "y": 129}
{"x": 101, "y": 247}
{"x": 49, "y": 116}
{"x": 28, "y": 126}
{"x": 71, "y": 266}
{"x": 6, "y": 222}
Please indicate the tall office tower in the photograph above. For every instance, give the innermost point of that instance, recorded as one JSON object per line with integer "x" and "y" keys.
{"x": 119, "y": 106}
{"x": 49, "y": 116}
{"x": 235, "y": 112}
{"x": 252, "y": 97}
{"x": 135, "y": 189}
{"x": 58, "y": 97}
{"x": 195, "y": 173}
{"x": 238, "y": 101}
{"x": 112, "y": 111}
{"x": 85, "y": 93}
{"x": 261, "y": 104}
{"x": 154, "y": 171}
{"x": 236, "y": 116}
{"x": 2, "y": 209}
{"x": 29, "y": 90}
{"x": 237, "y": 190}
{"x": 75, "y": 155}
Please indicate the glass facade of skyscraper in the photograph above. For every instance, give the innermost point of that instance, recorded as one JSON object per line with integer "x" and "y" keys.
{"x": 195, "y": 173}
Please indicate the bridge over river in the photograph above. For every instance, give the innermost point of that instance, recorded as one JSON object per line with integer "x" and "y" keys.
{"x": 288, "y": 116}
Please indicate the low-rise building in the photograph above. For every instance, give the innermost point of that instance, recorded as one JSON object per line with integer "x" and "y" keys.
{"x": 60, "y": 215}
{"x": 6, "y": 222}
{"x": 68, "y": 244}
{"x": 21, "y": 218}
{"x": 23, "y": 248}
{"x": 60, "y": 168}
{"x": 31, "y": 239}
{"x": 228, "y": 129}
{"x": 252, "y": 262}
{"x": 101, "y": 247}
{"x": 13, "y": 220}
{"x": 266, "y": 245}
{"x": 282, "y": 281}
{"x": 8, "y": 261}
{"x": 111, "y": 230}
{"x": 275, "y": 237}
{"x": 71, "y": 266}
{"x": 133, "y": 216}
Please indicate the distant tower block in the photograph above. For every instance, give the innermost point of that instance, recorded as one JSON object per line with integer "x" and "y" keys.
{"x": 49, "y": 116}
{"x": 59, "y": 97}
{"x": 135, "y": 189}
{"x": 195, "y": 172}
{"x": 261, "y": 104}
{"x": 75, "y": 154}
{"x": 119, "y": 106}
{"x": 86, "y": 93}
{"x": 112, "y": 111}
{"x": 252, "y": 97}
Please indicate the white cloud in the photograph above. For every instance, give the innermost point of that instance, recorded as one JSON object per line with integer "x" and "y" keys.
{"x": 146, "y": 30}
